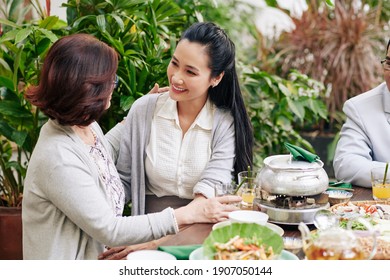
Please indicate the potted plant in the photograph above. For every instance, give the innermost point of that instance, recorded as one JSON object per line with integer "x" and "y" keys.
{"x": 22, "y": 48}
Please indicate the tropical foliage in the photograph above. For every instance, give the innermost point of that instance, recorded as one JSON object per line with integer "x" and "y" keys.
{"x": 24, "y": 48}
{"x": 340, "y": 46}
{"x": 277, "y": 105}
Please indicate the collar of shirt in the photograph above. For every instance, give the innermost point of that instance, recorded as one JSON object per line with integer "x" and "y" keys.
{"x": 204, "y": 119}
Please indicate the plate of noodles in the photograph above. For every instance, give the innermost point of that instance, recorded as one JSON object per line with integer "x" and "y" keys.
{"x": 243, "y": 241}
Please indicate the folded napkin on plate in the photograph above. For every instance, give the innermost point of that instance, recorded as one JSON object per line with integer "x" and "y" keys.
{"x": 301, "y": 154}
{"x": 180, "y": 252}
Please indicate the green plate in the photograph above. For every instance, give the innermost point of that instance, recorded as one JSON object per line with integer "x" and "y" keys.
{"x": 224, "y": 234}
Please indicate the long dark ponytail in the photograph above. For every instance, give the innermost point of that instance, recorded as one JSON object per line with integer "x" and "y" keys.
{"x": 227, "y": 94}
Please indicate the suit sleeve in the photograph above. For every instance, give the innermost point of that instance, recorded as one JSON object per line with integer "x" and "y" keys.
{"x": 353, "y": 159}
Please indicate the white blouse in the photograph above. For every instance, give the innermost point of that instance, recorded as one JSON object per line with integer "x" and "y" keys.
{"x": 174, "y": 163}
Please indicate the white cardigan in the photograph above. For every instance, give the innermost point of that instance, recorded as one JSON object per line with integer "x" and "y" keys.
{"x": 65, "y": 210}
{"x": 131, "y": 161}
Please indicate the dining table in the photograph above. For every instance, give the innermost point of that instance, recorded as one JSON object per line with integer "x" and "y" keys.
{"x": 197, "y": 233}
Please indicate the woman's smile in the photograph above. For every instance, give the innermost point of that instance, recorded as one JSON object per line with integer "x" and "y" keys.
{"x": 177, "y": 89}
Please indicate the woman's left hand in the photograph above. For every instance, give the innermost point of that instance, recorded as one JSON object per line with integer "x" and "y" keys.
{"x": 157, "y": 89}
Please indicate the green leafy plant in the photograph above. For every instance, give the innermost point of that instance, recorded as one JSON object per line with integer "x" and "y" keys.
{"x": 22, "y": 50}
{"x": 278, "y": 107}
{"x": 339, "y": 45}
{"x": 144, "y": 33}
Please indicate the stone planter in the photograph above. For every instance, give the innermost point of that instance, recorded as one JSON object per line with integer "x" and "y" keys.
{"x": 11, "y": 233}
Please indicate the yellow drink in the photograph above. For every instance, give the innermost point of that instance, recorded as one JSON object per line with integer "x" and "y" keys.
{"x": 381, "y": 192}
{"x": 248, "y": 197}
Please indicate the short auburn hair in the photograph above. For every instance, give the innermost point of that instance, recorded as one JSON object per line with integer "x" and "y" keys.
{"x": 76, "y": 80}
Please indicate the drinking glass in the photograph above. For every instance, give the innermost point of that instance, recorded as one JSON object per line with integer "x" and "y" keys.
{"x": 248, "y": 187}
{"x": 222, "y": 189}
{"x": 380, "y": 184}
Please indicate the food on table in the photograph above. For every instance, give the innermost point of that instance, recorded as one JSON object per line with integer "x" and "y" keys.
{"x": 377, "y": 213}
{"x": 382, "y": 248}
{"x": 243, "y": 241}
{"x": 243, "y": 248}
{"x": 352, "y": 210}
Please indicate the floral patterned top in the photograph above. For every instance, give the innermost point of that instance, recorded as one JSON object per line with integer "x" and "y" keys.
{"x": 109, "y": 175}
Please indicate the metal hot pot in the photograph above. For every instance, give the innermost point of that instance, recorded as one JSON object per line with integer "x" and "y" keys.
{"x": 284, "y": 176}
{"x": 291, "y": 191}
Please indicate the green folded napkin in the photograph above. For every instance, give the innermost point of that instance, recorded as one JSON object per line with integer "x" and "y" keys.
{"x": 180, "y": 252}
{"x": 339, "y": 185}
{"x": 301, "y": 154}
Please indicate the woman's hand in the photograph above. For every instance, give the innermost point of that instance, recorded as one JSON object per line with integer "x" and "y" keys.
{"x": 121, "y": 252}
{"x": 116, "y": 253}
{"x": 157, "y": 89}
{"x": 207, "y": 210}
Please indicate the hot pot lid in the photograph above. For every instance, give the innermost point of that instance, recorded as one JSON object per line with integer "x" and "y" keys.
{"x": 287, "y": 162}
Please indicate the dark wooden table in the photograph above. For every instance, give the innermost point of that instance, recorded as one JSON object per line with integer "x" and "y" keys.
{"x": 197, "y": 233}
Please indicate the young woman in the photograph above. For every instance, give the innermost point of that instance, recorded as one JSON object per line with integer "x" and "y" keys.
{"x": 178, "y": 145}
{"x": 73, "y": 197}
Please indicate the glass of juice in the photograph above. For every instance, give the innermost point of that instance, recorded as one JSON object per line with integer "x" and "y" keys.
{"x": 248, "y": 187}
{"x": 380, "y": 184}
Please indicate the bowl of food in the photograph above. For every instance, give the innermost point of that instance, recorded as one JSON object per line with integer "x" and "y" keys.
{"x": 338, "y": 196}
{"x": 248, "y": 216}
{"x": 243, "y": 241}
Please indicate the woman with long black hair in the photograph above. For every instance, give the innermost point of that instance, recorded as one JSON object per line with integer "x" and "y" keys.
{"x": 179, "y": 144}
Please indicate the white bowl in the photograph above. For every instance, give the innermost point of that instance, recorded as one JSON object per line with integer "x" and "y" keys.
{"x": 338, "y": 196}
{"x": 150, "y": 255}
{"x": 248, "y": 216}
{"x": 293, "y": 244}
